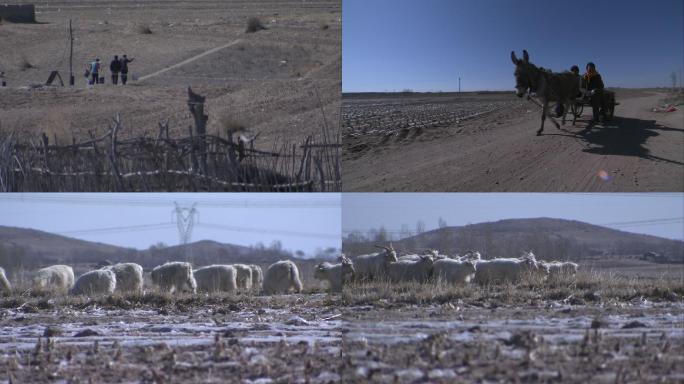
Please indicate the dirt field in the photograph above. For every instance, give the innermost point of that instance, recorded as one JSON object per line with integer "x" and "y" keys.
{"x": 487, "y": 142}
{"x": 598, "y": 328}
{"x": 282, "y": 83}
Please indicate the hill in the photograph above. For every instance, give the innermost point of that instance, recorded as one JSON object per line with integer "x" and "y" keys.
{"x": 26, "y": 249}
{"x": 547, "y": 237}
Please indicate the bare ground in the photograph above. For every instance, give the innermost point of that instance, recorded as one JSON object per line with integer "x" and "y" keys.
{"x": 497, "y": 150}
{"x": 282, "y": 82}
{"x": 595, "y": 328}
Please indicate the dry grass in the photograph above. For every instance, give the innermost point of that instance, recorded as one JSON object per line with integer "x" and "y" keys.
{"x": 254, "y": 25}
{"x": 587, "y": 288}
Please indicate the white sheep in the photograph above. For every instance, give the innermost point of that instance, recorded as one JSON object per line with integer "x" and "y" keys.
{"x": 473, "y": 256}
{"x": 453, "y": 271}
{"x": 97, "y": 282}
{"x": 558, "y": 269}
{"x": 257, "y": 276}
{"x": 129, "y": 277}
{"x": 54, "y": 279}
{"x": 336, "y": 274}
{"x": 175, "y": 276}
{"x": 216, "y": 278}
{"x": 244, "y": 276}
{"x": 409, "y": 270}
{"x": 282, "y": 276}
{"x": 374, "y": 265}
{"x": 505, "y": 270}
{"x": 5, "y": 287}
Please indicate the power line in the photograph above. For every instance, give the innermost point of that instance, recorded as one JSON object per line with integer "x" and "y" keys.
{"x": 120, "y": 229}
{"x": 269, "y": 231}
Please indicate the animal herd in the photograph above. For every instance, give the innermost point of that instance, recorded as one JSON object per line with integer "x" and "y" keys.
{"x": 283, "y": 276}
{"x": 454, "y": 270}
{"x": 171, "y": 277}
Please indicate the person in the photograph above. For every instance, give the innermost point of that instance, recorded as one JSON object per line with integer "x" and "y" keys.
{"x": 95, "y": 71}
{"x": 115, "y": 68}
{"x": 124, "y": 69}
{"x": 593, "y": 83}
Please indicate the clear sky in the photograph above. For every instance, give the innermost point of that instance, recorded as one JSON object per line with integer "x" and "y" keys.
{"x": 391, "y": 45}
{"x": 236, "y": 218}
{"x": 362, "y": 211}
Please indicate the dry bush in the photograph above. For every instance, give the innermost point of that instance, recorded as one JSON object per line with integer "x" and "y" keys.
{"x": 24, "y": 64}
{"x": 143, "y": 29}
{"x": 254, "y": 25}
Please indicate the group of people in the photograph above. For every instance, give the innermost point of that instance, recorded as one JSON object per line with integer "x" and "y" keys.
{"x": 591, "y": 87}
{"x": 118, "y": 66}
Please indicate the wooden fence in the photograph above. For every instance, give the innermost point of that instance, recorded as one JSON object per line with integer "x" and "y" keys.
{"x": 197, "y": 162}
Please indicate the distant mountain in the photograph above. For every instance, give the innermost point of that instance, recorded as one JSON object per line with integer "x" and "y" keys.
{"x": 25, "y": 249}
{"x": 548, "y": 238}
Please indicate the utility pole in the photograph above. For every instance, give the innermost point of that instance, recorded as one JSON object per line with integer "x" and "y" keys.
{"x": 459, "y": 85}
{"x": 71, "y": 55}
{"x": 185, "y": 220}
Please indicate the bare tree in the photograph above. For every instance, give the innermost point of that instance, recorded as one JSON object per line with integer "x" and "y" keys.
{"x": 441, "y": 223}
{"x": 420, "y": 227}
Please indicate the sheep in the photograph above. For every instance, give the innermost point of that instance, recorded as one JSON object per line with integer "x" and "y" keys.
{"x": 454, "y": 271}
{"x": 129, "y": 277}
{"x": 282, "y": 276}
{"x": 175, "y": 276}
{"x": 244, "y": 276}
{"x": 97, "y": 282}
{"x": 216, "y": 278}
{"x": 374, "y": 265}
{"x": 409, "y": 270}
{"x": 336, "y": 274}
{"x": 54, "y": 279}
{"x": 257, "y": 276}
{"x": 558, "y": 269}
{"x": 505, "y": 270}
{"x": 430, "y": 252}
{"x": 5, "y": 287}
{"x": 473, "y": 256}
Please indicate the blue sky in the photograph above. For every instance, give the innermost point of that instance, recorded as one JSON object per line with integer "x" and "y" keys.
{"x": 276, "y": 216}
{"x": 426, "y": 45}
{"x": 362, "y": 211}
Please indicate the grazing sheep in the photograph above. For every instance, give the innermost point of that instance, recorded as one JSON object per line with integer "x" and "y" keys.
{"x": 409, "y": 270}
{"x": 54, "y": 279}
{"x": 97, "y": 282}
{"x": 473, "y": 256}
{"x": 257, "y": 276}
{"x": 216, "y": 278}
{"x": 175, "y": 276}
{"x": 282, "y": 276}
{"x": 336, "y": 274}
{"x": 374, "y": 265}
{"x": 454, "y": 271}
{"x": 505, "y": 270}
{"x": 129, "y": 277}
{"x": 558, "y": 269}
{"x": 5, "y": 287}
{"x": 244, "y": 276}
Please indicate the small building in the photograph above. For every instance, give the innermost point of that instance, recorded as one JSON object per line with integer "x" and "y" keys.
{"x": 18, "y": 13}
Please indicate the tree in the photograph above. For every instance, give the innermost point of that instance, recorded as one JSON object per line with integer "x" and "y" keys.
{"x": 441, "y": 223}
{"x": 420, "y": 227}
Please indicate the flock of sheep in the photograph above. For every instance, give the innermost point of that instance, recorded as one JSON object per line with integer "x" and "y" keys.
{"x": 280, "y": 277}
{"x": 283, "y": 276}
{"x": 452, "y": 270}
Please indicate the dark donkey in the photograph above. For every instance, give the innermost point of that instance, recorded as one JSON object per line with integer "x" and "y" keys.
{"x": 547, "y": 85}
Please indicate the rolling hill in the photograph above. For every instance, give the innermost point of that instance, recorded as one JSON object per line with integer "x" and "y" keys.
{"x": 548, "y": 238}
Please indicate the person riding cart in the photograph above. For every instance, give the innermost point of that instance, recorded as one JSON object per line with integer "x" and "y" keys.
{"x": 593, "y": 84}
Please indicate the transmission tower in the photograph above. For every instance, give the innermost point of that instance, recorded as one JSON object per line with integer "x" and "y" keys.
{"x": 186, "y": 218}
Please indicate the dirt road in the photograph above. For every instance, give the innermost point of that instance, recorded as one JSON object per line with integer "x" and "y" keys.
{"x": 639, "y": 150}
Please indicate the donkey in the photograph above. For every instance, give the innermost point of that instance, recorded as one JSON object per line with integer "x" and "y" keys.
{"x": 547, "y": 85}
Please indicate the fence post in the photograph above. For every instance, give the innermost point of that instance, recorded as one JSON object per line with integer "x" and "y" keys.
{"x": 196, "y": 105}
